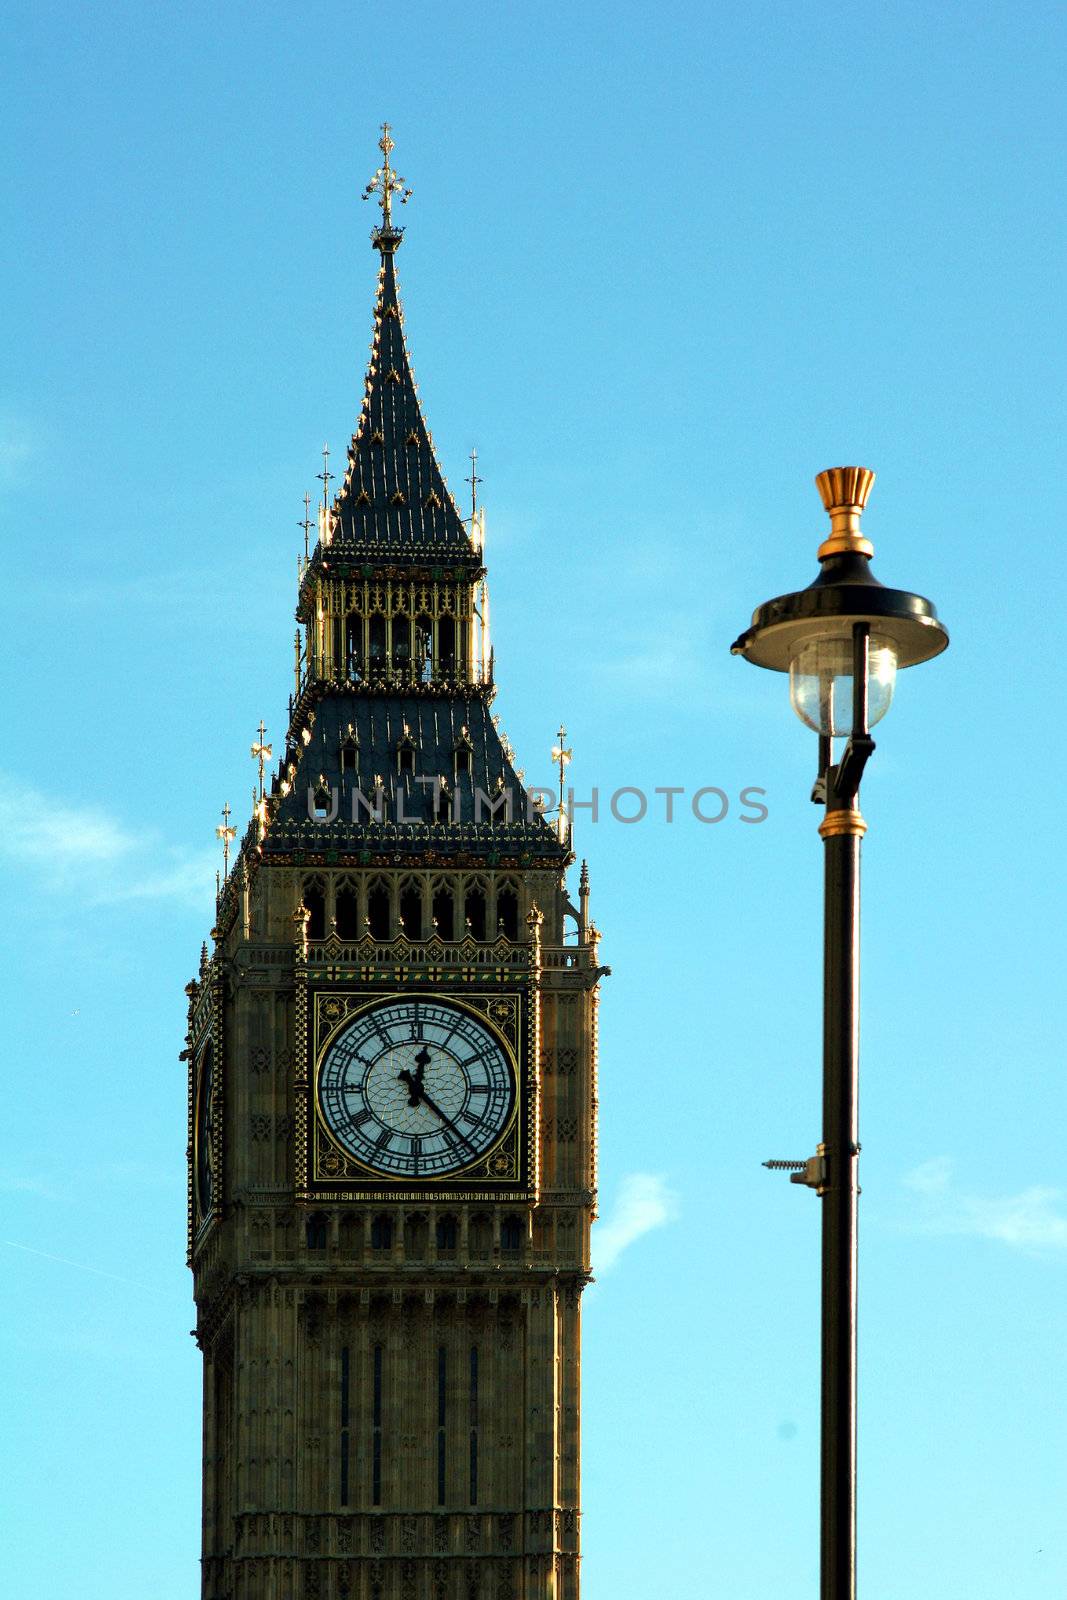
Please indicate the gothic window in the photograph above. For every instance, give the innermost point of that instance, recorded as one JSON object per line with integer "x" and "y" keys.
{"x": 315, "y": 904}
{"x": 377, "y": 643}
{"x": 474, "y": 910}
{"x": 480, "y": 1236}
{"x": 444, "y": 802}
{"x": 446, "y": 644}
{"x": 444, "y": 914}
{"x": 349, "y": 756}
{"x": 462, "y": 752}
{"x": 511, "y": 1234}
{"x": 351, "y": 1231}
{"x": 411, "y": 911}
{"x": 416, "y": 1232}
{"x": 322, "y": 803}
{"x": 378, "y": 911}
{"x": 315, "y": 1232}
{"x": 447, "y": 1234}
{"x": 423, "y": 648}
{"x": 507, "y": 912}
{"x": 405, "y": 752}
{"x": 381, "y": 1233}
{"x": 354, "y": 647}
{"x": 401, "y": 642}
{"x": 346, "y": 912}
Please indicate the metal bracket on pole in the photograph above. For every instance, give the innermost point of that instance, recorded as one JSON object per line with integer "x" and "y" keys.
{"x": 811, "y": 1173}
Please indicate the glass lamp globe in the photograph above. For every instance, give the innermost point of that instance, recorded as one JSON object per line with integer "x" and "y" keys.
{"x": 821, "y": 682}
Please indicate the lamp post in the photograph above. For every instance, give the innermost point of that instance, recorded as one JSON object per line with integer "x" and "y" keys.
{"x": 842, "y": 641}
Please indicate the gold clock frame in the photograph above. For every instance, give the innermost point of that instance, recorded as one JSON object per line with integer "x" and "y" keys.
{"x": 508, "y": 1170}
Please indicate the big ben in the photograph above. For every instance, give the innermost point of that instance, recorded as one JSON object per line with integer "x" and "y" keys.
{"x": 392, "y": 1082}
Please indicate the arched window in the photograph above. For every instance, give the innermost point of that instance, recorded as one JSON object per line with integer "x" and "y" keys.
{"x": 346, "y": 906}
{"x": 381, "y": 1233}
{"x": 423, "y": 649}
{"x": 401, "y": 643}
{"x": 405, "y": 752}
{"x": 378, "y": 912}
{"x": 480, "y": 1237}
{"x": 444, "y": 802}
{"x": 507, "y": 912}
{"x": 474, "y": 909}
{"x": 315, "y": 1230}
{"x": 354, "y": 648}
{"x": 446, "y": 644}
{"x": 376, "y": 651}
{"x": 411, "y": 911}
{"x": 462, "y": 751}
{"x": 416, "y": 1234}
{"x": 511, "y": 1234}
{"x": 322, "y": 804}
{"x": 447, "y": 1234}
{"x": 444, "y": 914}
{"x": 315, "y": 904}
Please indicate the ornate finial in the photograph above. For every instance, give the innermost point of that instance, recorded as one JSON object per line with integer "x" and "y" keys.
{"x": 325, "y": 477}
{"x": 561, "y": 756}
{"x": 844, "y": 492}
{"x": 583, "y": 880}
{"x": 227, "y": 835}
{"x": 307, "y": 522}
{"x": 474, "y": 481}
{"x": 262, "y": 753}
{"x": 386, "y": 183}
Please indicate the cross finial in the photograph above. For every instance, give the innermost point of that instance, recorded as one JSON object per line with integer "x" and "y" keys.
{"x": 227, "y": 835}
{"x": 561, "y": 756}
{"x": 306, "y": 524}
{"x": 325, "y": 477}
{"x": 474, "y": 481}
{"x": 386, "y": 183}
{"x": 262, "y": 753}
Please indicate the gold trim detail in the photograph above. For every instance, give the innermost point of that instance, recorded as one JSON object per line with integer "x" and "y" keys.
{"x": 844, "y": 492}
{"x": 836, "y": 823}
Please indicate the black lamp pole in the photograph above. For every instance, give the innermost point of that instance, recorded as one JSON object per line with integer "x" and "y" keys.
{"x": 822, "y": 636}
{"x": 842, "y": 831}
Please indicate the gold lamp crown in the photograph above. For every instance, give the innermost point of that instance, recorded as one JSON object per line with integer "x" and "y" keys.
{"x": 844, "y": 492}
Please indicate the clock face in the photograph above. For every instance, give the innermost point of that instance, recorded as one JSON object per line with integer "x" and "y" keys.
{"x": 202, "y": 1136}
{"x": 416, "y": 1088}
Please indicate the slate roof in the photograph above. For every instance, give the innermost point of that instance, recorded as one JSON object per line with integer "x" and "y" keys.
{"x": 435, "y": 725}
{"x": 394, "y": 500}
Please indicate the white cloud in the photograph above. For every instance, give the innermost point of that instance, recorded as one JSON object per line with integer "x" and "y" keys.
{"x": 1032, "y": 1220}
{"x": 37, "y": 828}
{"x": 644, "y": 1201}
{"x": 67, "y": 845}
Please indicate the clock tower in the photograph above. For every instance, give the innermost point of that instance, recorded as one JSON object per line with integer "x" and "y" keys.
{"x": 392, "y": 1083}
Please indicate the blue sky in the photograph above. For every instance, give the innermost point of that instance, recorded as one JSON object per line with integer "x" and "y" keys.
{"x": 661, "y": 268}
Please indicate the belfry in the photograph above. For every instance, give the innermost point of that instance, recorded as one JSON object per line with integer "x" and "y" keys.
{"x": 392, "y": 1082}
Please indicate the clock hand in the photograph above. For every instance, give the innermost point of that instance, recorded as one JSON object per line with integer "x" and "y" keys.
{"x": 416, "y": 1093}
{"x": 436, "y": 1109}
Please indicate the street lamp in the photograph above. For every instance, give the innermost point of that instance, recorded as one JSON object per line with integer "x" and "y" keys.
{"x": 842, "y": 641}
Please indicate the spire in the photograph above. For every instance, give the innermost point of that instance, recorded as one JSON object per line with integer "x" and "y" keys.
{"x": 393, "y": 498}
{"x": 386, "y": 183}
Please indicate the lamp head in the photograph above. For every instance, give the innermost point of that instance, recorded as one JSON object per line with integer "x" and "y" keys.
{"x": 809, "y": 633}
